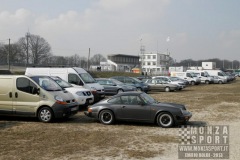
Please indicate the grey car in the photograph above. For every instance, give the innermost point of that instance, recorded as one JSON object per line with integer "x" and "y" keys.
{"x": 171, "y": 80}
{"x": 113, "y": 86}
{"x": 138, "y": 106}
{"x": 218, "y": 80}
{"x": 159, "y": 85}
{"x": 141, "y": 86}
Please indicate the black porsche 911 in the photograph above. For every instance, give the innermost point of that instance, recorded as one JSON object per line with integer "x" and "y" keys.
{"x": 138, "y": 106}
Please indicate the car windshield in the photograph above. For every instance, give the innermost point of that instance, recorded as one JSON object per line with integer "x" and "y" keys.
{"x": 117, "y": 82}
{"x": 173, "y": 78}
{"x": 206, "y": 74}
{"x": 148, "y": 99}
{"x": 87, "y": 78}
{"x": 47, "y": 83}
{"x": 62, "y": 83}
{"x": 193, "y": 74}
{"x": 137, "y": 80}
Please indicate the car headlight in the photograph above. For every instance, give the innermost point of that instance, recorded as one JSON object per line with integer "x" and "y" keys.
{"x": 93, "y": 89}
{"x": 79, "y": 93}
{"x": 59, "y": 100}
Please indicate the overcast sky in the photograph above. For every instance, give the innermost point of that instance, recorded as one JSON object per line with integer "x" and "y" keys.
{"x": 196, "y": 29}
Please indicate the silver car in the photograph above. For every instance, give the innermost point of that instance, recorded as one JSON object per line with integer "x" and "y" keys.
{"x": 113, "y": 86}
{"x": 218, "y": 80}
{"x": 159, "y": 85}
{"x": 171, "y": 80}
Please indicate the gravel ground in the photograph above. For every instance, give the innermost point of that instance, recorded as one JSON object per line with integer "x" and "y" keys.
{"x": 81, "y": 137}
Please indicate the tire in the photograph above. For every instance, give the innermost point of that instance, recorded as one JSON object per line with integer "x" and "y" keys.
{"x": 106, "y": 117}
{"x": 139, "y": 89}
{"x": 120, "y": 91}
{"x": 45, "y": 114}
{"x": 192, "y": 83}
{"x": 207, "y": 82}
{"x": 167, "y": 89}
{"x": 165, "y": 120}
{"x": 220, "y": 82}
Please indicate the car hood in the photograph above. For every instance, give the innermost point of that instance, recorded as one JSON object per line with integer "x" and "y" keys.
{"x": 172, "y": 105}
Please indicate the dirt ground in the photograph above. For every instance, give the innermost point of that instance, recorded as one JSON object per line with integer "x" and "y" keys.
{"x": 81, "y": 137}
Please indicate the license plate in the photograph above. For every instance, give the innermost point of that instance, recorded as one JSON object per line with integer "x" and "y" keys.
{"x": 74, "y": 109}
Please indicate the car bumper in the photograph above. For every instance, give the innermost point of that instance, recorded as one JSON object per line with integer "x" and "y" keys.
{"x": 183, "y": 118}
{"x": 90, "y": 114}
{"x": 98, "y": 95}
{"x": 85, "y": 100}
{"x": 61, "y": 111}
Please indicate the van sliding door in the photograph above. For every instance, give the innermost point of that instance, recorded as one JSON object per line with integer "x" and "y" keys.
{"x": 25, "y": 102}
{"x": 6, "y": 96}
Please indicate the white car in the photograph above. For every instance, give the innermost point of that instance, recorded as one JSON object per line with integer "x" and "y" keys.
{"x": 82, "y": 95}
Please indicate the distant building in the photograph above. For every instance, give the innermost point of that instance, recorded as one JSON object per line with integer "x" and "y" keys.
{"x": 177, "y": 69}
{"x": 155, "y": 63}
{"x": 209, "y": 65}
{"x": 120, "y": 62}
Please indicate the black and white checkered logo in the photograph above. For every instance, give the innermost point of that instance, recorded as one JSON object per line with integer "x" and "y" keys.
{"x": 184, "y": 134}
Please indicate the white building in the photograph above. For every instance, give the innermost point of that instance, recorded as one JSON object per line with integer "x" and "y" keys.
{"x": 209, "y": 65}
{"x": 155, "y": 63}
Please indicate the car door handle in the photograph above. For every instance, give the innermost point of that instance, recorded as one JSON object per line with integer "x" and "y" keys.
{"x": 16, "y": 95}
{"x": 10, "y": 94}
{"x": 123, "y": 106}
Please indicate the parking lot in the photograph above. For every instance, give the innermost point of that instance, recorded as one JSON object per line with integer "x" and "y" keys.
{"x": 81, "y": 137}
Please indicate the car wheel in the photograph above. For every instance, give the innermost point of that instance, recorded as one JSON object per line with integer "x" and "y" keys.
{"x": 106, "y": 117}
{"x": 139, "y": 89}
{"x": 220, "y": 82}
{"x": 45, "y": 114}
{"x": 207, "y": 82}
{"x": 192, "y": 83}
{"x": 167, "y": 89}
{"x": 165, "y": 120}
{"x": 120, "y": 91}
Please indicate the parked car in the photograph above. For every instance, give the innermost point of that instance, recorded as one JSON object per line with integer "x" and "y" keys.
{"x": 141, "y": 86}
{"x": 138, "y": 106}
{"x": 159, "y": 85}
{"x": 113, "y": 86}
{"x": 219, "y": 80}
{"x": 170, "y": 80}
{"x": 180, "y": 79}
{"x": 82, "y": 95}
{"x": 143, "y": 77}
{"x": 36, "y": 96}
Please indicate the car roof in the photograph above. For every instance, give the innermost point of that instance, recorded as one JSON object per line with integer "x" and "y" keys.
{"x": 128, "y": 93}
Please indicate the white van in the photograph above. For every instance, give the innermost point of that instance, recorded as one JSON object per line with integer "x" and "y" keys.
{"x": 218, "y": 73}
{"x": 73, "y": 75}
{"x": 203, "y": 75}
{"x": 189, "y": 76}
{"x": 37, "y": 96}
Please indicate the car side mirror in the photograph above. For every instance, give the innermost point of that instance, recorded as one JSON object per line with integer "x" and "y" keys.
{"x": 36, "y": 91}
{"x": 80, "y": 83}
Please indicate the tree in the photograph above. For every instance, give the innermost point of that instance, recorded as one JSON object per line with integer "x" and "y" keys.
{"x": 96, "y": 59}
{"x": 38, "y": 48}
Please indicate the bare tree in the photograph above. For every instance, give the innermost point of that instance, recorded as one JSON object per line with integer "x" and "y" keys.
{"x": 96, "y": 59}
{"x": 38, "y": 48}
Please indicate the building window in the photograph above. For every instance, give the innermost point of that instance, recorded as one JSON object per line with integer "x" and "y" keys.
{"x": 148, "y": 57}
{"x": 154, "y": 63}
{"x": 148, "y": 63}
{"x": 154, "y": 56}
